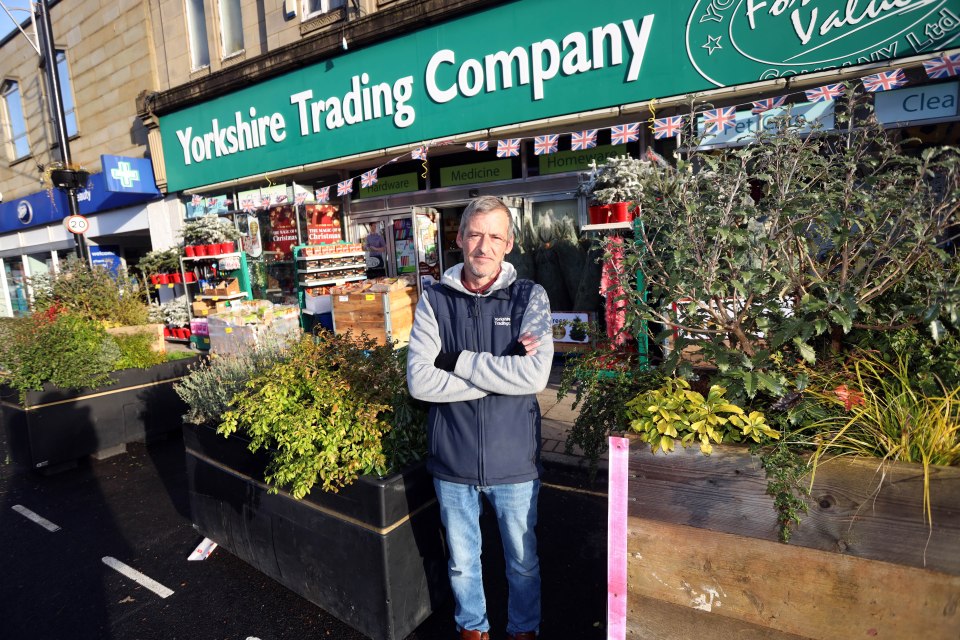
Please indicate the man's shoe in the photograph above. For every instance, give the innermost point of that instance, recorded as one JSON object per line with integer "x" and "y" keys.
{"x": 466, "y": 634}
{"x": 522, "y": 635}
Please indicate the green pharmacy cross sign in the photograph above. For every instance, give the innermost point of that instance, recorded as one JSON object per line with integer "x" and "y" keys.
{"x": 538, "y": 59}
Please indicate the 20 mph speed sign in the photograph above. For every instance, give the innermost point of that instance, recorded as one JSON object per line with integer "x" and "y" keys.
{"x": 77, "y": 224}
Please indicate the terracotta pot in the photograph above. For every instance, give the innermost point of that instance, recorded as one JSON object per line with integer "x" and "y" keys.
{"x": 200, "y": 249}
{"x": 619, "y": 212}
{"x": 175, "y": 278}
{"x": 189, "y": 251}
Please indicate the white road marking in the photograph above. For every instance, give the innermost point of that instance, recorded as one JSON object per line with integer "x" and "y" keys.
{"x": 40, "y": 520}
{"x": 138, "y": 577}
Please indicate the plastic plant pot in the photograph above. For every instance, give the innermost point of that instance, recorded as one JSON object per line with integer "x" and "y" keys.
{"x": 620, "y": 212}
{"x": 176, "y": 278}
{"x": 189, "y": 251}
{"x": 200, "y": 249}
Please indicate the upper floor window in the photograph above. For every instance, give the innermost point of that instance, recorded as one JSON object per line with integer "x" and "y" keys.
{"x": 14, "y": 123}
{"x": 231, "y": 27}
{"x": 197, "y": 33}
{"x": 66, "y": 94}
{"x": 313, "y": 8}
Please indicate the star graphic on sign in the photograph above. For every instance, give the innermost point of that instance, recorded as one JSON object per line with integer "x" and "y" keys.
{"x": 713, "y": 43}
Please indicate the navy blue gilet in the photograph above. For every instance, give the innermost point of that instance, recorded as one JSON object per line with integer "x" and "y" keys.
{"x": 495, "y": 439}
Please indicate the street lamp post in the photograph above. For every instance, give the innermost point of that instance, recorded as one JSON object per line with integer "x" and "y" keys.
{"x": 48, "y": 60}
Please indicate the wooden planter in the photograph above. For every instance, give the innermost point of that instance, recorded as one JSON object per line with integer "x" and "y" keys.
{"x": 701, "y": 532}
{"x": 372, "y": 554}
{"x": 55, "y": 427}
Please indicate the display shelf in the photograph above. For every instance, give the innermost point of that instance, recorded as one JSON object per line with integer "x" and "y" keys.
{"x": 355, "y": 265}
{"x": 273, "y": 290}
{"x": 327, "y": 256}
{"x": 608, "y": 226}
{"x": 216, "y": 257}
{"x": 231, "y": 296}
{"x": 331, "y": 281}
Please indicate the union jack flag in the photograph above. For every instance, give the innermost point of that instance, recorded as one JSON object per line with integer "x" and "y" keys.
{"x": 368, "y": 179}
{"x": 624, "y": 133}
{"x": 478, "y": 146}
{"x": 580, "y": 140}
{"x": 824, "y": 93}
{"x": 508, "y": 147}
{"x": 543, "y": 145}
{"x": 943, "y": 67}
{"x": 766, "y": 105}
{"x": 300, "y": 197}
{"x": 264, "y": 202}
{"x": 717, "y": 121}
{"x": 420, "y": 153}
{"x": 667, "y": 127}
{"x": 196, "y": 200}
{"x": 248, "y": 205}
{"x": 884, "y": 81}
{"x": 322, "y": 195}
{"x": 345, "y": 187}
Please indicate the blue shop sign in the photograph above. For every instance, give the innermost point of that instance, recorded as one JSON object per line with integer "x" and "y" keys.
{"x": 926, "y": 102}
{"x": 124, "y": 182}
{"x": 106, "y": 256}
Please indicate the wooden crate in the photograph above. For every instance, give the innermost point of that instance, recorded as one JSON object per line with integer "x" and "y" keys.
{"x": 382, "y": 315}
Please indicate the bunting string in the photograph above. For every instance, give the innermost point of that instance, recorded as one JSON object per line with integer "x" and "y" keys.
{"x": 714, "y": 121}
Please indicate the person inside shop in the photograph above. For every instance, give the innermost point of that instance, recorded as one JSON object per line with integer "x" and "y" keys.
{"x": 376, "y": 246}
{"x": 480, "y": 350}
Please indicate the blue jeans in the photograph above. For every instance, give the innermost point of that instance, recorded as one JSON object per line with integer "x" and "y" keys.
{"x": 516, "y": 508}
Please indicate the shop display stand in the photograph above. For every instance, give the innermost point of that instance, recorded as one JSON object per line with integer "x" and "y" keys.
{"x": 200, "y": 266}
{"x": 324, "y": 270}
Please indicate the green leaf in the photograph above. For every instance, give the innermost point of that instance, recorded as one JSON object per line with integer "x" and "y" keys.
{"x": 842, "y": 319}
{"x": 806, "y": 351}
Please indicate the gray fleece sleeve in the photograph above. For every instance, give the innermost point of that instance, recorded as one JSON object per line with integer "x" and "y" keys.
{"x": 425, "y": 381}
{"x": 515, "y": 375}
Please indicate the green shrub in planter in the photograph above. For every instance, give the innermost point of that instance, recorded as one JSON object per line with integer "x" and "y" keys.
{"x": 92, "y": 293}
{"x": 65, "y": 349}
{"x": 332, "y": 409}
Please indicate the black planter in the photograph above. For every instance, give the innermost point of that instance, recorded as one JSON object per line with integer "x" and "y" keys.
{"x": 57, "y": 426}
{"x": 372, "y": 554}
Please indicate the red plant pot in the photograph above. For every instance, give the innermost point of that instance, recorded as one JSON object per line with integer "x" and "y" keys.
{"x": 166, "y": 332}
{"x": 226, "y": 247}
{"x": 189, "y": 251}
{"x": 200, "y": 249}
{"x": 176, "y": 278}
{"x": 619, "y": 212}
{"x": 213, "y": 249}
{"x": 190, "y": 276}
{"x": 163, "y": 278}
{"x": 154, "y": 278}
{"x": 598, "y": 213}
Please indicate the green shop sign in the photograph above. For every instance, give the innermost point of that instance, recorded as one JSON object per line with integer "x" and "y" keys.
{"x": 477, "y": 172}
{"x": 386, "y": 185}
{"x": 536, "y": 59}
{"x": 578, "y": 160}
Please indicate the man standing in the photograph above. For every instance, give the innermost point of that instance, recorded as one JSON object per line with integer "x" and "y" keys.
{"x": 480, "y": 350}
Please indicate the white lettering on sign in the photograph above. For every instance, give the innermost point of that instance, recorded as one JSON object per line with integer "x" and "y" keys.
{"x": 807, "y": 22}
{"x": 575, "y": 54}
{"x": 365, "y": 100}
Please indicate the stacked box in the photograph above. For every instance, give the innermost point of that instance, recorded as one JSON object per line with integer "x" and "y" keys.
{"x": 384, "y": 316}
{"x": 250, "y": 324}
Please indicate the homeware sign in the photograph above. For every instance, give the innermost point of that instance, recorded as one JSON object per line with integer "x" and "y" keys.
{"x": 536, "y": 59}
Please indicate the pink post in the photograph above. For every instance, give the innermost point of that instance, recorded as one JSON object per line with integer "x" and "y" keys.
{"x": 617, "y": 539}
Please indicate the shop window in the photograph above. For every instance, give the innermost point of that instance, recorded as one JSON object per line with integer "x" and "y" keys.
{"x": 548, "y": 249}
{"x": 16, "y": 286}
{"x": 231, "y": 27}
{"x": 66, "y": 94}
{"x": 313, "y": 8}
{"x": 197, "y": 34}
{"x": 14, "y": 123}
